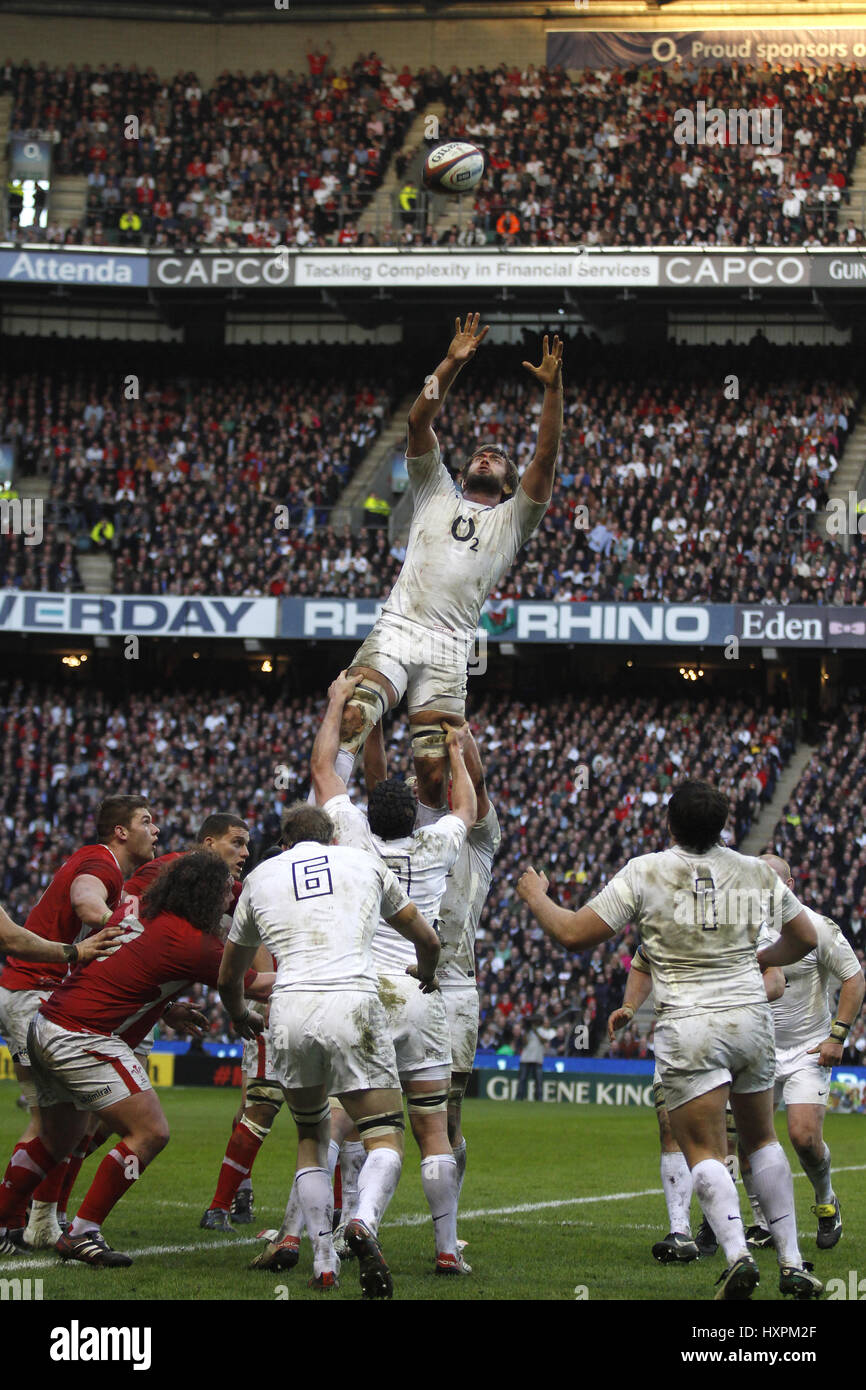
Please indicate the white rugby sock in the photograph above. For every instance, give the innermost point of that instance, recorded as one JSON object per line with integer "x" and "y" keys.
{"x": 760, "y": 1218}
{"x": 352, "y": 1156}
{"x": 293, "y": 1221}
{"x": 819, "y": 1176}
{"x": 459, "y": 1152}
{"x": 377, "y": 1183}
{"x": 441, "y": 1188}
{"x": 333, "y": 1157}
{"x": 774, "y": 1184}
{"x": 316, "y": 1197}
{"x": 677, "y": 1184}
{"x": 714, "y": 1189}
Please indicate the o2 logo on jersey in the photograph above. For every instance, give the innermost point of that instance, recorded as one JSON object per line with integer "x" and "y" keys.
{"x": 468, "y": 531}
{"x": 312, "y": 878}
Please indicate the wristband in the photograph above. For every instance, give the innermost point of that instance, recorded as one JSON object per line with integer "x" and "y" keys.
{"x": 627, "y": 1009}
{"x": 839, "y": 1031}
{"x": 106, "y": 918}
{"x": 70, "y": 953}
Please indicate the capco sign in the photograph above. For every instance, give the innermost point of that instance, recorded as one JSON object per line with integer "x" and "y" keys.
{"x": 731, "y": 270}
{"x": 259, "y": 270}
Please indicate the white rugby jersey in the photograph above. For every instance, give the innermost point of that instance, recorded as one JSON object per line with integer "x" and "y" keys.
{"x": 466, "y": 890}
{"x": 457, "y": 550}
{"x": 802, "y": 1016}
{"x": 699, "y": 916}
{"x": 420, "y": 862}
{"x": 316, "y": 908}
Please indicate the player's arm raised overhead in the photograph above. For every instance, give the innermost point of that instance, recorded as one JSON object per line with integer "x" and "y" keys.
{"x": 475, "y": 768}
{"x": 537, "y": 481}
{"x": 575, "y": 930}
{"x": 326, "y": 781}
{"x": 464, "y": 803}
{"x": 375, "y": 758}
{"x": 463, "y": 347}
{"x": 26, "y": 945}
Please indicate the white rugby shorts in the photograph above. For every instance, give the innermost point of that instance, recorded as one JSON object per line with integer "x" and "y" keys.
{"x": 418, "y": 1026}
{"x": 428, "y": 664}
{"x": 799, "y": 1078}
{"x": 18, "y": 1008}
{"x": 89, "y": 1069}
{"x": 461, "y": 1011}
{"x": 338, "y": 1039}
{"x": 698, "y": 1052}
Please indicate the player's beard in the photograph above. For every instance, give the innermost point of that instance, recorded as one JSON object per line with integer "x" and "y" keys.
{"x": 486, "y": 483}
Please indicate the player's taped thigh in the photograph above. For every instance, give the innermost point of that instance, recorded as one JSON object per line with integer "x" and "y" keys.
{"x": 372, "y": 702}
{"x": 311, "y": 1119}
{"x": 457, "y": 1090}
{"x": 428, "y": 741}
{"x": 658, "y": 1095}
{"x": 253, "y": 1127}
{"x": 264, "y": 1092}
{"x": 427, "y": 1102}
{"x": 379, "y": 1126}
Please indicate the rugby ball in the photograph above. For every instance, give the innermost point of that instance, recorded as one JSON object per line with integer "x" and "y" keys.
{"x": 455, "y": 167}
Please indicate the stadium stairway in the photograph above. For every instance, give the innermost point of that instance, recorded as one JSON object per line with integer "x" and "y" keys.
{"x": 382, "y": 208}
{"x": 374, "y": 474}
{"x": 68, "y": 200}
{"x": 97, "y": 572}
{"x": 761, "y": 834}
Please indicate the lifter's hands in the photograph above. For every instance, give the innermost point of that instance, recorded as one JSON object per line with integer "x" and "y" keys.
{"x": 549, "y": 373}
{"x": 466, "y": 339}
{"x": 343, "y": 688}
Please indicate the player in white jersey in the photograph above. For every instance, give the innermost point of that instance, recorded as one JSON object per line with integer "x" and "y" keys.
{"x": 315, "y": 907}
{"x": 421, "y": 860}
{"x": 678, "y": 1247}
{"x": 808, "y": 1046}
{"x": 463, "y": 538}
{"x": 466, "y": 892}
{"x": 699, "y": 907}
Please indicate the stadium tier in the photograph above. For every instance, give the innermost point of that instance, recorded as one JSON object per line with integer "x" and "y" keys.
{"x": 291, "y": 159}
{"x": 225, "y": 484}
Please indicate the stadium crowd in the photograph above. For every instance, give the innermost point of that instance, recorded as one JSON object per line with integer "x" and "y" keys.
{"x": 261, "y": 159}
{"x": 669, "y": 487}
{"x": 579, "y": 787}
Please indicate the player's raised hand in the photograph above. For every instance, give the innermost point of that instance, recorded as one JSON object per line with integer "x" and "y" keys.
{"x": 549, "y": 373}
{"x": 343, "y": 688}
{"x": 532, "y": 886}
{"x": 456, "y": 735}
{"x": 466, "y": 338}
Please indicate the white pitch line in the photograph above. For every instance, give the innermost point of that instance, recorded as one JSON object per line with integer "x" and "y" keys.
{"x": 415, "y": 1219}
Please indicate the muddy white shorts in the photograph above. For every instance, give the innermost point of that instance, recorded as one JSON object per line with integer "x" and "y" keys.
{"x": 799, "y": 1078}
{"x": 18, "y": 1008}
{"x": 338, "y": 1039}
{"x": 461, "y": 1011}
{"x": 418, "y": 1026}
{"x": 697, "y": 1053}
{"x": 428, "y": 664}
{"x": 88, "y": 1069}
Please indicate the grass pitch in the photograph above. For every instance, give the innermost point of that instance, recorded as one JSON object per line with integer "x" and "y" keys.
{"x": 559, "y": 1202}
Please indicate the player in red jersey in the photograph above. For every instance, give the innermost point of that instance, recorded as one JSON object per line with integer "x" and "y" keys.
{"x": 229, "y": 837}
{"x": 82, "y": 1039}
{"x": 79, "y": 899}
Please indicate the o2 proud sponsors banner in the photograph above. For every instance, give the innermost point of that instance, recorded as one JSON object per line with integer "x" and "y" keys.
{"x": 468, "y": 269}
{"x": 49, "y": 265}
{"x": 121, "y": 615}
{"x": 570, "y": 48}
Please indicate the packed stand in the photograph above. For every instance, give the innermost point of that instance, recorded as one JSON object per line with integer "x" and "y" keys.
{"x": 593, "y": 161}
{"x": 667, "y": 488}
{"x": 219, "y": 485}
{"x": 256, "y": 160}
{"x": 822, "y": 831}
{"x": 579, "y": 786}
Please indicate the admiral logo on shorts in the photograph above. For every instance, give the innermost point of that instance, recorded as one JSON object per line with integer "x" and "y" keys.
{"x": 95, "y": 1095}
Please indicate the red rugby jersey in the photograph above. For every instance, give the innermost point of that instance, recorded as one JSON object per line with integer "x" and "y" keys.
{"x": 146, "y": 875}
{"x": 55, "y": 919}
{"x": 127, "y": 992}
